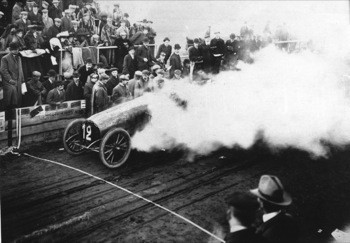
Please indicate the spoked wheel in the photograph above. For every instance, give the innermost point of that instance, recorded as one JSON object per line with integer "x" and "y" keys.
{"x": 115, "y": 148}
{"x": 73, "y": 137}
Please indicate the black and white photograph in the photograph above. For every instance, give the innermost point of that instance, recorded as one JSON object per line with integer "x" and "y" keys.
{"x": 175, "y": 121}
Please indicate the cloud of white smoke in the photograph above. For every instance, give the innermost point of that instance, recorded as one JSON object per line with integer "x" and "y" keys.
{"x": 296, "y": 100}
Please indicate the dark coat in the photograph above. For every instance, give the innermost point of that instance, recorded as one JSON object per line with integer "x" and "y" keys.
{"x": 22, "y": 25}
{"x": 129, "y": 65}
{"x": 121, "y": 51}
{"x": 166, "y": 49}
{"x": 11, "y": 69}
{"x": 141, "y": 53}
{"x": 217, "y": 47}
{"x": 54, "y": 97}
{"x": 280, "y": 229}
{"x": 244, "y": 236}
{"x": 34, "y": 93}
{"x": 99, "y": 97}
{"x": 35, "y": 18}
{"x": 175, "y": 63}
{"x": 16, "y": 12}
{"x": 54, "y": 12}
{"x": 48, "y": 86}
{"x": 31, "y": 42}
{"x": 111, "y": 83}
{"x": 66, "y": 24}
{"x": 137, "y": 38}
{"x": 120, "y": 93}
{"x": 53, "y": 31}
{"x": 84, "y": 73}
{"x": 74, "y": 92}
{"x": 195, "y": 54}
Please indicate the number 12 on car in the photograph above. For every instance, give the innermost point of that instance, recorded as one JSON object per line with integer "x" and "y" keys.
{"x": 86, "y": 132}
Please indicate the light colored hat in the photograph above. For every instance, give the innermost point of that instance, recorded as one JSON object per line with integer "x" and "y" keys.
{"x": 1, "y": 13}
{"x": 36, "y": 73}
{"x": 24, "y": 13}
{"x": 58, "y": 20}
{"x": 138, "y": 73}
{"x": 55, "y": 1}
{"x": 45, "y": 11}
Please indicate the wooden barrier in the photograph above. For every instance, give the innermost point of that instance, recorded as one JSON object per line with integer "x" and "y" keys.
{"x": 46, "y": 125}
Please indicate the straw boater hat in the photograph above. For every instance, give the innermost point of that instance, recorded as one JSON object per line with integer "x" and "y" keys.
{"x": 55, "y": 1}
{"x": 270, "y": 189}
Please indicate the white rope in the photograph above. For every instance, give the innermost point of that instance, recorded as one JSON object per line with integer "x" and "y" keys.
{"x": 130, "y": 192}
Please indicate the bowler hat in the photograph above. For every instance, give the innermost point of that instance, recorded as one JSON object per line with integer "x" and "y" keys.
{"x": 196, "y": 40}
{"x": 51, "y": 73}
{"x": 271, "y": 190}
{"x": 177, "y": 47}
{"x": 76, "y": 74}
{"x": 14, "y": 46}
{"x": 166, "y": 39}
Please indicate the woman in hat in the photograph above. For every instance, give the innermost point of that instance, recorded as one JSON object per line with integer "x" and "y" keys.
{"x": 19, "y": 38}
{"x": 31, "y": 39}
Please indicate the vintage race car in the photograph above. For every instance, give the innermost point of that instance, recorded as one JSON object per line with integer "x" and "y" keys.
{"x": 108, "y": 132}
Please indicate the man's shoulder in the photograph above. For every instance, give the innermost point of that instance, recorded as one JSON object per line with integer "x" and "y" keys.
{"x": 245, "y": 235}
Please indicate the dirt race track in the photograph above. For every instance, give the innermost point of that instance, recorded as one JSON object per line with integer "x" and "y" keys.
{"x": 44, "y": 202}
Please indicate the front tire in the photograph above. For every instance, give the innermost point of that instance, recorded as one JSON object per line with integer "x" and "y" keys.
{"x": 115, "y": 148}
{"x": 73, "y": 136}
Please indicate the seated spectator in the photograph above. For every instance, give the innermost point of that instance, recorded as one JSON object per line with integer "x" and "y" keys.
{"x": 130, "y": 63}
{"x": 74, "y": 29}
{"x": 47, "y": 21}
{"x": 19, "y": 38}
{"x": 23, "y": 22}
{"x": 175, "y": 60}
{"x": 132, "y": 82}
{"x": 177, "y": 75}
{"x": 16, "y": 11}
{"x": 165, "y": 48}
{"x": 95, "y": 41}
{"x": 49, "y": 84}
{"x": 85, "y": 71}
{"x": 143, "y": 84}
{"x": 121, "y": 92}
{"x": 82, "y": 40}
{"x": 123, "y": 45}
{"x": 34, "y": 16}
{"x": 54, "y": 30}
{"x": 108, "y": 33}
{"x": 35, "y": 90}
{"x": 74, "y": 88}
{"x": 88, "y": 91}
{"x": 57, "y": 95}
{"x": 7, "y": 36}
{"x": 241, "y": 215}
{"x": 112, "y": 81}
{"x": 31, "y": 38}
{"x": 277, "y": 226}
{"x": 100, "y": 99}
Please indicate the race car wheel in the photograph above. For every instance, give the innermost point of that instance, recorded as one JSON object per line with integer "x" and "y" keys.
{"x": 73, "y": 137}
{"x": 115, "y": 148}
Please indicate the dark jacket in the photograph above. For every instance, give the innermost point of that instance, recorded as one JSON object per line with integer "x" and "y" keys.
{"x": 33, "y": 95}
{"x": 54, "y": 97}
{"x": 74, "y": 92}
{"x": 35, "y": 18}
{"x": 217, "y": 47}
{"x": 100, "y": 99}
{"x": 244, "y": 236}
{"x": 54, "y": 12}
{"x": 111, "y": 83}
{"x": 66, "y": 23}
{"x": 16, "y": 12}
{"x": 280, "y": 229}
{"x": 175, "y": 63}
{"x": 53, "y": 31}
{"x": 166, "y": 49}
{"x": 137, "y": 38}
{"x": 195, "y": 54}
{"x": 141, "y": 53}
{"x": 120, "y": 93}
{"x": 31, "y": 42}
{"x": 129, "y": 65}
{"x": 22, "y": 25}
{"x": 84, "y": 73}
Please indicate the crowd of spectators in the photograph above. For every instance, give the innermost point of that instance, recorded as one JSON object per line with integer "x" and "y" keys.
{"x": 34, "y": 25}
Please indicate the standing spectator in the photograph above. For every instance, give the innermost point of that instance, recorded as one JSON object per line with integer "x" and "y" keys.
{"x": 186, "y": 67}
{"x": 175, "y": 60}
{"x": 139, "y": 36}
{"x": 143, "y": 55}
{"x": 16, "y": 11}
{"x": 7, "y": 18}
{"x": 151, "y": 35}
{"x": 66, "y": 21}
{"x": 232, "y": 46}
{"x": 12, "y": 77}
{"x": 54, "y": 30}
{"x": 23, "y": 22}
{"x": 130, "y": 63}
{"x": 218, "y": 50}
{"x": 132, "y": 82}
{"x": 49, "y": 84}
{"x": 87, "y": 24}
{"x": 126, "y": 19}
{"x": 54, "y": 10}
{"x": 142, "y": 85}
{"x": 34, "y": 16}
{"x": 123, "y": 45}
{"x": 241, "y": 215}
{"x": 44, "y": 6}
{"x": 117, "y": 15}
{"x": 277, "y": 226}
{"x": 102, "y": 23}
{"x": 19, "y": 38}
{"x": 195, "y": 55}
{"x": 112, "y": 81}
{"x": 161, "y": 61}
{"x": 85, "y": 71}
{"x": 100, "y": 98}
{"x": 123, "y": 29}
{"x": 47, "y": 21}
{"x": 35, "y": 90}
{"x": 74, "y": 88}
{"x": 166, "y": 48}
{"x": 88, "y": 91}
{"x": 57, "y": 95}
{"x": 207, "y": 56}
{"x": 121, "y": 92}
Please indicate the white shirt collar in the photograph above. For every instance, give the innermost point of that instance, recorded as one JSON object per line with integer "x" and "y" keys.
{"x": 269, "y": 216}
{"x": 235, "y": 228}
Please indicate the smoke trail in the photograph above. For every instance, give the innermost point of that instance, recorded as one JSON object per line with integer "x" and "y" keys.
{"x": 294, "y": 99}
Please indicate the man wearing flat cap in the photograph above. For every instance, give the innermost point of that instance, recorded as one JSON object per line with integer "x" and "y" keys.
{"x": 16, "y": 11}
{"x": 12, "y": 77}
{"x": 277, "y": 226}
{"x": 66, "y": 21}
{"x": 35, "y": 90}
{"x": 54, "y": 10}
{"x": 57, "y": 95}
{"x": 74, "y": 88}
{"x": 175, "y": 60}
{"x": 121, "y": 92}
{"x": 34, "y": 16}
{"x": 55, "y": 29}
{"x": 218, "y": 51}
{"x": 241, "y": 215}
{"x": 23, "y": 22}
{"x": 46, "y": 20}
{"x": 130, "y": 63}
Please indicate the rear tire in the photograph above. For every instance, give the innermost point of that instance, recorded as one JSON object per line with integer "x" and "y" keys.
{"x": 115, "y": 148}
{"x": 73, "y": 136}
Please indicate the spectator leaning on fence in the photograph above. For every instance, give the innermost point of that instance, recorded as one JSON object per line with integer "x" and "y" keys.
{"x": 130, "y": 62}
{"x": 74, "y": 88}
{"x": 35, "y": 90}
{"x": 57, "y": 95}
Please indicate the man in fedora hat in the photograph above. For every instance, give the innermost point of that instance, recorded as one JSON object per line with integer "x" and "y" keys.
{"x": 218, "y": 50}
{"x": 113, "y": 80}
{"x": 130, "y": 63}
{"x": 277, "y": 226}
{"x": 57, "y": 95}
{"x": 241, "y": 215}
{"x": 175, "y": 60}
{"x": 74, "y": 88}
{"x": 143, "y": 56}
